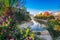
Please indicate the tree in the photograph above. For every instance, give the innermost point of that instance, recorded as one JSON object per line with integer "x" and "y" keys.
{"x": 53, "y": 28}
{"x": 8, "y": 29}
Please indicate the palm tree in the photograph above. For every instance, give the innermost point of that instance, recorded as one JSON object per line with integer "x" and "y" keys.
{"x": 6, "y": 5}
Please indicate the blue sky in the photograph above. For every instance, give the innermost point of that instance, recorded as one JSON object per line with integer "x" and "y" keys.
{"x": 35, "y": 6}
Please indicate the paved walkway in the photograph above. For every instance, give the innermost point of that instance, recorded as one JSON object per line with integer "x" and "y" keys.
{"x": 44, "y": 34}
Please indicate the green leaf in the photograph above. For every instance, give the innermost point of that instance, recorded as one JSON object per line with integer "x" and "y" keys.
{"x": 6, "y": 3}
{"x": 13, "y": 2}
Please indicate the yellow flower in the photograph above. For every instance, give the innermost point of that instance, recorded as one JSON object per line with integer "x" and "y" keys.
{"x": 6, "y": 24}
{"x": 32, "y": 36}
{"x": 52, "y": 20}
{"x": 25, "y": 35}
{"x": 57, "y": 27}
{"x": 27, "y": 31}
{"x": 21, "y": 31}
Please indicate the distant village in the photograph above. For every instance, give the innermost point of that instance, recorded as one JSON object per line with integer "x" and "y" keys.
{"x": 56, "y": 15}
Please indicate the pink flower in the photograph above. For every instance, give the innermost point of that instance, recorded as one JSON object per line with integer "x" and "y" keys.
{"x": 12, "y": 39}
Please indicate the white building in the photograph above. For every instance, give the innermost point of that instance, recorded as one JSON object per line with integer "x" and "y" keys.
{"x": 57, "y": 15}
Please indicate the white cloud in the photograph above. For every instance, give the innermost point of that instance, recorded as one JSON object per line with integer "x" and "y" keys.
{"x": 33, "y": 11}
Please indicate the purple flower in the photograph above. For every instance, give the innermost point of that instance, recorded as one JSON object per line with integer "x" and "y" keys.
{"x": 15, "y": 31}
